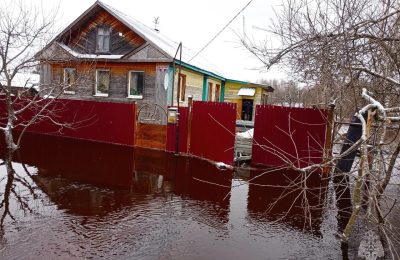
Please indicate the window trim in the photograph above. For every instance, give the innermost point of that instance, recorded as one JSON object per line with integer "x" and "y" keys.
{"x": 210, "y": 90}
{"x": 217, "y": 91}
{"x": 96, "y": 94}
{"x": 65, "y": 91}
{"x": 129, "y": 84}
{"x": 182, "y": 87}
{"x": 106, "y": 28}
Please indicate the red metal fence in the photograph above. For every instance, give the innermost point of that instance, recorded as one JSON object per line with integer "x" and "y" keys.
{"x": 91, "y": 120}
{"x": 213, "y": 131}
{"x": 285, "y": 135}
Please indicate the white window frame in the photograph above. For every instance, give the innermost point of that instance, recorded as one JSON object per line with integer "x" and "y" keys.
{"x": 129, "y": 84}
{"x": 99, "y": 94}
{"x": 71, "y": 92}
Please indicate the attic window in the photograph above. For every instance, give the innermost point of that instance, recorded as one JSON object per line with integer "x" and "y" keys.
{"x": 103, "y": 39}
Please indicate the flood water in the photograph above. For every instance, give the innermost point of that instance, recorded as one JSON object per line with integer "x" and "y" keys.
{"x": 95, "y": 200}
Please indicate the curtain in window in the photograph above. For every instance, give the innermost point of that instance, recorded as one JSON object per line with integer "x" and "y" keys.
{"x": 70, "y": 78}
{"x": 103, "y": 39}
{"x": 103, "y": 82}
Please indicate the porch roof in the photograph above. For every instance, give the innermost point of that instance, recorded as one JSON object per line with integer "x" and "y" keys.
{"x": 247, "y": 92}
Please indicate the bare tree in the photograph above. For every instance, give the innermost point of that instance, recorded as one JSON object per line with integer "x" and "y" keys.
{"x": 348, "y": 51}
{"x": 291, "y": 94}
{"x": 25, "y": 29}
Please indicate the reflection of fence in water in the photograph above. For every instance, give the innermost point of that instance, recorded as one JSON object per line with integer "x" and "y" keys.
{"x": 279, "y": 196}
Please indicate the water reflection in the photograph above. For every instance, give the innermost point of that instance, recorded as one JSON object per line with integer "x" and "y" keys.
{"x": 135, "y": 203}
{"x": 280, "y": 197}
{"x": 123, "y": 172}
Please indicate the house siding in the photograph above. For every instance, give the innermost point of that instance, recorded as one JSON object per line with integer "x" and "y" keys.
{"x": 231, "y": 95}
{"x": 83, "y": 38}
{"x": 118, "y": 90}
{"x": 214, "y": 83}
{"x": 194, "y": 85}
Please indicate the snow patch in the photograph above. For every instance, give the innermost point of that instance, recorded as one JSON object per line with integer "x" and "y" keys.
{"x": 89, "y": 56}
{"x": 247, "y": 135}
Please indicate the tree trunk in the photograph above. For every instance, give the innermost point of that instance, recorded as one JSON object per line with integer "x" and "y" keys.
{"x": 11, "y": 146}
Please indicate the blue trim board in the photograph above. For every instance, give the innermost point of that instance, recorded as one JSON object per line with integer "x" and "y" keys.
{"x": 169, "y": 91}
{"x": 222, "y": 94}
{"x": 236, "y": 81}
{"x": 205, "y": 88}
{"x": 208, "y": 73}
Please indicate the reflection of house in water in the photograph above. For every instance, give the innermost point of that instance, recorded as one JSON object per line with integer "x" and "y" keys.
{"x": 271, "y": 197}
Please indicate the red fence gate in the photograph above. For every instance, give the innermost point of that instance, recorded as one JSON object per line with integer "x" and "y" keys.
{"x": 284, "y": 135}
{"x": 212, "y": 131}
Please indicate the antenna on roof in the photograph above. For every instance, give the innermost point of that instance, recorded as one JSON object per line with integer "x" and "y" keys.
{"x": 156, "y": 23}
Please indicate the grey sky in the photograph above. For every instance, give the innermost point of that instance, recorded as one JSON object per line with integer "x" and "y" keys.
{"x": 195, "y": 23}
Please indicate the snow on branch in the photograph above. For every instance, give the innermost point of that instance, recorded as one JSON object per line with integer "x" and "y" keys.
{"x": 376, "y": 74}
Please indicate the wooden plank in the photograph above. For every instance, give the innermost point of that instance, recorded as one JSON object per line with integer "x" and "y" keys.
{"x": 151, "y": 136}
{"x": 160, "y": 91}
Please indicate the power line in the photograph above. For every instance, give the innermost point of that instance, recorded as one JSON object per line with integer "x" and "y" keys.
{"x": 212, "y": 39}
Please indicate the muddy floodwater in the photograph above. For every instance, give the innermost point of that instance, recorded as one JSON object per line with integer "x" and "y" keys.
{"x": 95, "y": 200}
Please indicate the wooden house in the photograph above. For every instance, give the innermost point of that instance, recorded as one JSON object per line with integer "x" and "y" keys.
{"x": 106, "y": 55}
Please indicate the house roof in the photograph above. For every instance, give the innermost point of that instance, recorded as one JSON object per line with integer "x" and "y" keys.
{"x": 268, "y": 88}
{"x": 161, "y": 42}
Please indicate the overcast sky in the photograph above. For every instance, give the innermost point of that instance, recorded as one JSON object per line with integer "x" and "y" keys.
{"x": 195, "y": 23}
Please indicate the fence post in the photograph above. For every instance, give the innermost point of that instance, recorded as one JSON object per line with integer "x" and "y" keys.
{"x": 134, "y": 108}
{"x": 328, "y": 138}
{"x": 136, "y": 123}
{"x": 189, "y": 122}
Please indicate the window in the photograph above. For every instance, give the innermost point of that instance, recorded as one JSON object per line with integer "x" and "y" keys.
{"x": 217, "y": 92}
{"x": 103, "y": 39}
{"x": 210, "y": 87}
{"x": 182, "y": 87}
{"x": 264, "y": 98}
{"x": 135, "y": 84}
{"x": 102, "y": 82}
{"x": 70, "y": 78}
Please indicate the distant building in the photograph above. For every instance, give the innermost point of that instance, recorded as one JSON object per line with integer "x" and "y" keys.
{"x": 246, "y": 96}
{"x": 26, "y": 83}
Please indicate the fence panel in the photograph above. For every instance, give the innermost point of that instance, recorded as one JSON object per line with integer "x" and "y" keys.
{"x": 213, "y": 131}
{"x": 284, "y": 135}
{"x": 90, "y": 120}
